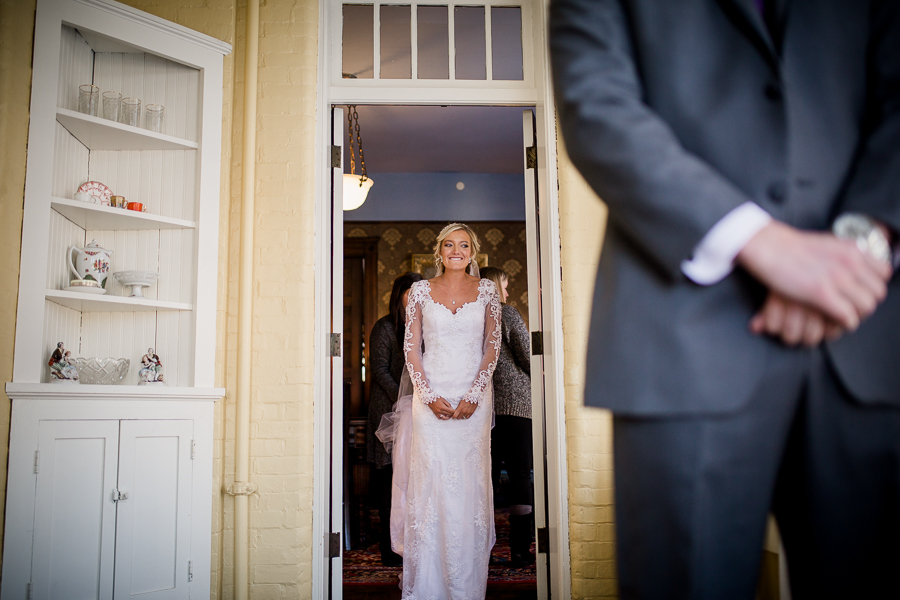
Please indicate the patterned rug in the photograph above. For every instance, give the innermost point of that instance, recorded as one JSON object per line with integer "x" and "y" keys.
{"x": 364, "y": 566}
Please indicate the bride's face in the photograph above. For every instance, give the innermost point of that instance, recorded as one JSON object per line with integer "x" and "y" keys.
{"x": 456, "y": 250}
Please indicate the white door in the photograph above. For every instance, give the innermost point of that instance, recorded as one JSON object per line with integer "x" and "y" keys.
{"x": 337, "y": 363}
{"x": 153, "y": 525}
{"x": 535, "y": 321}
{"x": 75, "y": 514}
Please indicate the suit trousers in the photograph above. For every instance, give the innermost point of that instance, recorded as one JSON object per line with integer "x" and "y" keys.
{"x": 693, "y": 493}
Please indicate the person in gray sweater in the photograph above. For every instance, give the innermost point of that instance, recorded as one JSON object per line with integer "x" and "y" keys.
{"x": 386, "y": 366}
{"x": 511, "y": 439}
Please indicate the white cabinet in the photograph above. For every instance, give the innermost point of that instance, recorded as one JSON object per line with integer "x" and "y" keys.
{"x": 112, "y": 508}
{"x": 109, "y": 498}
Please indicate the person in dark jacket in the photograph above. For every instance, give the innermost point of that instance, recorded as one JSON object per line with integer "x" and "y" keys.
{"x": 386, "y": 366}
{"x": 511, "y": 440}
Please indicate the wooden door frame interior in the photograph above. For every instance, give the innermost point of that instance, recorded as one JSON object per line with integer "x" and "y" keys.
{"x": 367, "y": 249}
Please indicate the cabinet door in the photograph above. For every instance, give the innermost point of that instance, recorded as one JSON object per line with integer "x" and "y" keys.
{"x": 153, "y": 526}
{"x": 74, "y": 512}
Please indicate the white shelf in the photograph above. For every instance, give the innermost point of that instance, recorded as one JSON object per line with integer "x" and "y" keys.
{"x": 106, "y": 218}
{"x": 102, "y": 134}
{"x": 85, "y": 302}
{"x": 80, "y": 392}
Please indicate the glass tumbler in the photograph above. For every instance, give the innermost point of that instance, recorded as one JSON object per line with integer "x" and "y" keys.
{"x": 88, "y": 99}
{"x": 131, "y": 112}
{"x": 112, "y": 105}
{"x": 155, "y": 117}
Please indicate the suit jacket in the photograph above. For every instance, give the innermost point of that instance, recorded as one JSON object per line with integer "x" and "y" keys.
{"x": 678, "y": 112}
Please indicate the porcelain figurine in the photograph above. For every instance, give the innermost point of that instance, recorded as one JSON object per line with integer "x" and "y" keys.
{"x": 91, "y": 262}
{"x": 61, "y": 370}
{"x": 151, "y": 369}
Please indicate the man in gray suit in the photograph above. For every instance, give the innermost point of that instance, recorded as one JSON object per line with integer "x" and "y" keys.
{"x": 746, "y": 321}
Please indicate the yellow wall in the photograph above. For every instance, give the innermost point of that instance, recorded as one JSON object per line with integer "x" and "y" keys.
{"x": 282, "y": 392}
{"x": 16, "y": 34}
{"x": 588, "y": 430}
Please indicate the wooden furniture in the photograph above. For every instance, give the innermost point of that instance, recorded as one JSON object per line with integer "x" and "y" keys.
{"x": 109, "y": 490}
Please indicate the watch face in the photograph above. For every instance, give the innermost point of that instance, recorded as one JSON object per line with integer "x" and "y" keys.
{"x": 868, "y": 237}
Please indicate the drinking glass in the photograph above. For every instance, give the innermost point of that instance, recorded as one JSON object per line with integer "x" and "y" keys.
{"x": 112, "y": 105}
{"x": 155, "y": 117}
{"x": 131, "y": 112}
{"x": 88, "y": 99}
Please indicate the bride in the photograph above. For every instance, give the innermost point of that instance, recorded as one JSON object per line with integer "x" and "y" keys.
{"x": 442, "y": 517}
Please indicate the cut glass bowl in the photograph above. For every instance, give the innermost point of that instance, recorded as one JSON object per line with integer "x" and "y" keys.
{"x": 102, "y": 371}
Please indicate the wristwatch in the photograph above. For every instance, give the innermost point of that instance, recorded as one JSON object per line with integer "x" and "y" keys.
{"x": 865, "y": 232}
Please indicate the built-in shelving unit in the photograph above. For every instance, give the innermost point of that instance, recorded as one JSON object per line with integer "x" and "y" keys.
{"x": 149, "y": 436}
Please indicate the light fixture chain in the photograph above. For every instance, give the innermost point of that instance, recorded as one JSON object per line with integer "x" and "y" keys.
{"x": 351, "y": 110}
{"x": 362, "y": 156}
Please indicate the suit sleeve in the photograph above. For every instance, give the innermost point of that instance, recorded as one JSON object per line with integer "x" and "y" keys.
{"x": 380, "y": 354}
{"x": 874, "y": 186}
{"x": 661, "y": 196}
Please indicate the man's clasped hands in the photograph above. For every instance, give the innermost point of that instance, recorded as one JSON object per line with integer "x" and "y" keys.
{"x": 820, "y": 286}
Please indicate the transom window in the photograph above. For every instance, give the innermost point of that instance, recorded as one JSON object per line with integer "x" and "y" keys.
{"x": 434, "y": 42}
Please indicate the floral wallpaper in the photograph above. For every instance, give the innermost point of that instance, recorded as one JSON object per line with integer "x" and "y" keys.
{"x": 502, "y": 241}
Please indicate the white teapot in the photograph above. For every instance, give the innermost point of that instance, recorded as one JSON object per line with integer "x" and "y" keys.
{"x": 91, "y": 262}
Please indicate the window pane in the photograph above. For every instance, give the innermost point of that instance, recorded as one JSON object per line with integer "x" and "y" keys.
{"x": 468, "y": 33}
{"x": 433, "y": 42}
{"x": 396, "y": 47}
{"x": 506, "y": 42}
{"x": 358, "y": 41}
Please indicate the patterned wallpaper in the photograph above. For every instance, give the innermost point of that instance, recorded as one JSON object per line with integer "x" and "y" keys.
{"x": 502, "y": 241}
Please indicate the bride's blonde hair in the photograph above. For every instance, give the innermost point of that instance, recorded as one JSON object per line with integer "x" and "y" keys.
{"x": 438, "y": 263}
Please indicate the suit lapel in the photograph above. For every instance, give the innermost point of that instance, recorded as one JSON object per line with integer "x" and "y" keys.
{"x": 747, "y": 17}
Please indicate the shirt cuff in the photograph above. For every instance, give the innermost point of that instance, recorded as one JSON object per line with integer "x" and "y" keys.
{"x": 713, "y": 257}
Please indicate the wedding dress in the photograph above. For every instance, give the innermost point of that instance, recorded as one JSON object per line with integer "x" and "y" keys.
{"x": 442, "y": 515}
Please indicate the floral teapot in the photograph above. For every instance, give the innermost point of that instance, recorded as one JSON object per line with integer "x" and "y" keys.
{"x": 91, "y": 262}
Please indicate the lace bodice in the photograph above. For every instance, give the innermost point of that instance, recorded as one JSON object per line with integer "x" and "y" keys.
{"x": 468, "y": 338}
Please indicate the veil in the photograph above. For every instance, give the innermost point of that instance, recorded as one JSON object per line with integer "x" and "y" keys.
{"x": 395, "y": 432}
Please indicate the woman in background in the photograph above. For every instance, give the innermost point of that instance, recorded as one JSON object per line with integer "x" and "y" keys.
{"x": 386, "y": 365}
{"x": 511, "y": 440}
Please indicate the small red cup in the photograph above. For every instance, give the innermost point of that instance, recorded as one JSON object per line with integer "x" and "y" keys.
{"x": 135, "y": 206}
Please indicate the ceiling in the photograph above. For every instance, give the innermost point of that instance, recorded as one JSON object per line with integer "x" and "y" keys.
{"x": 443, "y": 139}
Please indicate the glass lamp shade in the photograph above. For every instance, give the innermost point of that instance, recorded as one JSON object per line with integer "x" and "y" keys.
{"x": 354, "y": 193}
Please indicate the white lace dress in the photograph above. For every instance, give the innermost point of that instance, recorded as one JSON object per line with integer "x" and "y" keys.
{"x": 447, "y": 531}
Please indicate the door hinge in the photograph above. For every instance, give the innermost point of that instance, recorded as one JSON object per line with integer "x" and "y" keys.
{"x": 118, "y": 495}
{"x": 334, "y": 544}
{"x": 543, "y": 540}
{"x": 37, "y": 461}
{"x": 193, "y": 449}
{"x": 531, "y": 157}
{"x": 335, "y": 347}
{"x": 30, "y": 590}
{"x": 537, "y": 343}
{"x": 336, "y": 152}
{"x": 190, "y": 570}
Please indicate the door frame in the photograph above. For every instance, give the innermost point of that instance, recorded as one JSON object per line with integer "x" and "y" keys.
{"x": 541, "y": 98}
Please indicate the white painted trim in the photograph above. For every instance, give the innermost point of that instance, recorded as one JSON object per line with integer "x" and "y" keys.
{"x": 161, "y": 25}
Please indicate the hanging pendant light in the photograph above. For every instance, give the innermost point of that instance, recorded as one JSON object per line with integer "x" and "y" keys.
{"x": 356, "y": 187}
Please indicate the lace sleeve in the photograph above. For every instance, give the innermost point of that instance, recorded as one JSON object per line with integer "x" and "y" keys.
{"x": 492, "y": 340}
{"x": 412, "y": 342}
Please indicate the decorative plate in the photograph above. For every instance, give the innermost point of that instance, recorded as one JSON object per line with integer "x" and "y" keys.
{"x": 95, "y": 188}
{"x": 84, "y": 289}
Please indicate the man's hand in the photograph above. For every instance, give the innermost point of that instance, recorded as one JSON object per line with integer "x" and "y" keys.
{"x": 817, "y": 271}
{"x": 793, "y": 323}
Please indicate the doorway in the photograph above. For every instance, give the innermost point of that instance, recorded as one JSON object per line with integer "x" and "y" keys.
{"x": 383, "y": 35}
{"x": 431, "y": 165}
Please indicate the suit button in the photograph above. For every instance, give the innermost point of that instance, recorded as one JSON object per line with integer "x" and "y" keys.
{"x": 773, "y": 92}
{"x": 776, "y": 192}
